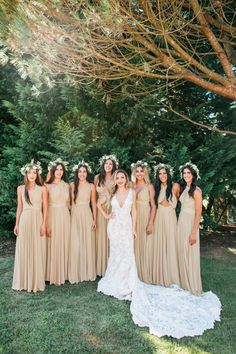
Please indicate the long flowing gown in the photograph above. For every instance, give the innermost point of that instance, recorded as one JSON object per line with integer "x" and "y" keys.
{"x": 143, "y": 246}
{"x": 30, "y": 255}
{"x": 82, "y": 244}
{"x": 165, "y": 263}
{"x": 121, "y": 273}
{"x": 59, "y": 242}
{"x": 188, "y": 256}
{"x": 166, "y": 311}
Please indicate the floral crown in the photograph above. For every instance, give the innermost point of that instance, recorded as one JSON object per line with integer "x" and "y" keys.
{"x": 31, "y": 165}
{"x": 58, "y": 162}
{"x": 82, "y": 163}
{"x": 161, "y": 166}
{"x": 191, "y": 166}
{"x": 139, "y": 163}
{"x": 109, "y": 157}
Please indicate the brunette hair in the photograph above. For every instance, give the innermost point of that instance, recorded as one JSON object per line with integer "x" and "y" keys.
{"x": 183, "y": 184}
{"x": 53, "y": 170}
{"x": 76, "y": 180}
{"x": 38, "y": 181}
{"x": 158, "y": 183}
{"x": 102, "y": 174}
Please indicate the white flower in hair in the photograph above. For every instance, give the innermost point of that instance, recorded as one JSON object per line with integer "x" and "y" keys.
{"x": 161, "y": 166}
{"x": 57, "y": 162}
{"x": 82, "y": 163}
{"x": 191, "y": 166}
{"x": 141, "y": 163}
{"x": 31, "y": 165}
{"x": 109, "y": 157}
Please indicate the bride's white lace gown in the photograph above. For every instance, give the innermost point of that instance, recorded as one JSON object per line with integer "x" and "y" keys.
{"x": 121, "y": 274}
{"x": 166, "y": 311}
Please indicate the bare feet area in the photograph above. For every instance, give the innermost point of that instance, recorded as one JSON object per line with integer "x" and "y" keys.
{"x": 215, "y": 244}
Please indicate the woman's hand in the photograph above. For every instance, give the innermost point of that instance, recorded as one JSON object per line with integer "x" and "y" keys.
{"x": 111, "y": 216}
{"x": 93, "y": 226}
{"x": 149, "y": 229}
{"x": 192, "y": 239}
{"x": 43, "y": 230}
{"x": 16, "y": 230}
{"x": 48, "y": 232}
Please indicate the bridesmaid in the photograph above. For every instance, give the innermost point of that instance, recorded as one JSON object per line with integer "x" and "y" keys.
{"x": 146, "y": 210}
{"x": 102, "y": 181}
{"x": 165, "y": 263}
{"x": 30, "y": 229}
{"x": 58, "y": 229}
{"x": 188, "y": 229}
{"x": 83, "y": 223}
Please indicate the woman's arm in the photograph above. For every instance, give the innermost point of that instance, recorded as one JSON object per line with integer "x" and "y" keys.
{"x": 48, "y": 230}
{"x": 176, "y": 189}
{"x": 71, "y": 190}
{"x": 149, "y": 227}
{"x": 94, "y": 205}
{"x": 18, "y": 210}
{"x": 134, "y": 215}
{"x": 45, "y": 211}
{"x": 198, "y": 212}
{"x": 100, "y": 202}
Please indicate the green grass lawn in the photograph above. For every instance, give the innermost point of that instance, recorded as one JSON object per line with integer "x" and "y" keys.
{"x": 77, "y": 319}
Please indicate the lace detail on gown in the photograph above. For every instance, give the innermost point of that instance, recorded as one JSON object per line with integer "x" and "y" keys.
{"x": 166, "y": 311}
{"x": 173, "y": 311}
{"x": 121, "y": 275}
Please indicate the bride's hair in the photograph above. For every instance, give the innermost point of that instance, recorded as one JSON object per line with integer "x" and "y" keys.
{"x": 114, "y": 185}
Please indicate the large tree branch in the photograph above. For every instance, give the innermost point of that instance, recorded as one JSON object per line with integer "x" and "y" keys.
{"x": 186, "y": 118}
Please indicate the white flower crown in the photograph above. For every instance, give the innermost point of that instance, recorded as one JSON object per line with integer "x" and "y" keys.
{"x": 82, "y": 163}
{"x": 190, "y": 165}
{"x": 31, "y": 165}
{"x": 165, "y": 166}
{"x": 109, "y": 157}
{"x": 141, "y": 163}
{"x": 57, "y": 162}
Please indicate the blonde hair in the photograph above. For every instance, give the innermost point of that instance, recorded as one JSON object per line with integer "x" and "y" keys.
{"x": 114, "y": 185}
{"x": 146, "y": 174}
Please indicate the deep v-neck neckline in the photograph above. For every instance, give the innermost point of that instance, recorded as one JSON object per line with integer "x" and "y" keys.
{"x": 124, "y": 200}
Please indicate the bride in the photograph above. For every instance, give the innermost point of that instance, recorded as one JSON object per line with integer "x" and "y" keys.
{"x": 121, "y": 274}
{"x": 168, "y": 311}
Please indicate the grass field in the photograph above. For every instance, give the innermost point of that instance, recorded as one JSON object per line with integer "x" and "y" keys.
{"x": 77, "y": 319}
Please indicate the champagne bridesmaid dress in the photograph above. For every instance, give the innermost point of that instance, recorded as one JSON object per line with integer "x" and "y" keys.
{"x": 30, "y": 255}
{"x": 82, "y": 248}
{"x": 102, "y": 242}
{"x": 188, "y": 256}
{"x": 165, "y": 263}
{"x": 143, "y": 245}
{"x": 59, "y": 224}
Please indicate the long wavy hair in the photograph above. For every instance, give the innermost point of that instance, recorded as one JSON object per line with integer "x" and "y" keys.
{"x": 114, "y": 185}
{"x": 158, "y": 183}
{"x": 146, "y": 174}
{"x": 102, "y": 174}
{"x": 183, "y": 184}
{"x": 53, "y": 170}
{"x": 76, "y": 180}
{"x": 38, "y": 181}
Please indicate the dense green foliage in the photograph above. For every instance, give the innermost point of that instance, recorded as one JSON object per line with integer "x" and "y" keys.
{"x": 67, "y": 122}
{"x": 77, "y": 319}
